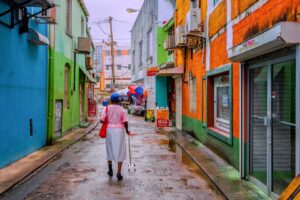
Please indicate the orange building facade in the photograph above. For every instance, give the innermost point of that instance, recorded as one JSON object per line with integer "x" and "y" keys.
{"x": 241, "y": 84}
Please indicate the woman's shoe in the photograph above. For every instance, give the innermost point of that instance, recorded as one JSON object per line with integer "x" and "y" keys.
{"x": 119, "y": 176}
{"x": 110, "y": 172}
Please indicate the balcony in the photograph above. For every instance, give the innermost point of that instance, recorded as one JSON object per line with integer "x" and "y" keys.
{"x": 170, "y": 42}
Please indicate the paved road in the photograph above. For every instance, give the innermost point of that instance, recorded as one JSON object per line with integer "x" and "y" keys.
{"x": 79, "y": 173}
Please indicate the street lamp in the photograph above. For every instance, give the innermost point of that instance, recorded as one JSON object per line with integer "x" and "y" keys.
{"x": 132, "y": 10}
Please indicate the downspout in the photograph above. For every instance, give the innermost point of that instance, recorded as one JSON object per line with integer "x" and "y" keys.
{"x": 50, "y": 106}
{"x": 184, "y": 65}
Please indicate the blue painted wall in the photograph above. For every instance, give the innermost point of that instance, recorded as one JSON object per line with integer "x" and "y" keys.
{"x": 23, "y": 92}
{"x": 161, "y": 91}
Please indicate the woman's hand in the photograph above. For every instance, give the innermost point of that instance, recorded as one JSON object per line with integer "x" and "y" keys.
{"x": 128, "y": 132}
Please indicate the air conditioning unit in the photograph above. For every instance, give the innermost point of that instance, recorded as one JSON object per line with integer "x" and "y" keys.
{"x": 192, "y": 23}
{"x": 180, "y": 39}
{"x": 48, "y": 16}
{"x": 84, "y": 45}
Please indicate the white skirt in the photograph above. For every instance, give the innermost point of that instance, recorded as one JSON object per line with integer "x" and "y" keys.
{"x": 115, "y": 144}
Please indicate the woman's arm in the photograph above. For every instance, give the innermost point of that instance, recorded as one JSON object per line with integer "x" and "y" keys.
{"x": 126, "y": 128}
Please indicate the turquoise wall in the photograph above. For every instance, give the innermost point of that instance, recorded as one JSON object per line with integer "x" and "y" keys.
{"x": 23, "y": 89}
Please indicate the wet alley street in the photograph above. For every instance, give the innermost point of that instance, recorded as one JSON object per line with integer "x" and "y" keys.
{"x": 80, "y": 172}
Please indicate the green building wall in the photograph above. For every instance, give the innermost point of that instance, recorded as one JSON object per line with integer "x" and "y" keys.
{"x": 61, "y": 52}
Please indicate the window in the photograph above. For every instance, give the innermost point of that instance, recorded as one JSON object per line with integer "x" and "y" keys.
{"x": 133, "y": 61}
{"x": 69, "y": 17}
{"x": 149, "y": 44}
{"x": 215, "y": 2}
{"x": 98, "y": 78}
{"x": 141, "y": 53}
{"x": 129, "y": 66}
{"x": 107, "y": 52}
{"x": 193, "y": 90}
{"x": 82, "y": 26}
{"x": 221, "y": 103}
{"x": 119, "y": 52}
{"x": 194, "y": 3}
{"x": 108, "y": 86}
{"x": 66, "y": 86}
{"x": 107, "y": 67}
{"x": 119, "y": 67}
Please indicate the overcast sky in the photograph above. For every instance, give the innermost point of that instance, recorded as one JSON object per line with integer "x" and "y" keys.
{"x": 101, "y": 9}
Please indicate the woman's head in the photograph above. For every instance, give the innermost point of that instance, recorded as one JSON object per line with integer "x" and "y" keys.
{"x": 115, "y": 98}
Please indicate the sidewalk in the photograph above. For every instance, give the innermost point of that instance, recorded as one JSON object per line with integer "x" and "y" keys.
{"x": 27, "y": 166}
{"x": 222, "y": 175}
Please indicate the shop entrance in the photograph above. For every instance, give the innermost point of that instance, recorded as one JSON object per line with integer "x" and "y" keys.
{"x": 272, "y": 124}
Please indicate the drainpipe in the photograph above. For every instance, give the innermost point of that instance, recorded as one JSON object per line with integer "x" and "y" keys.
{"x": 50, "y": 105}
{"x": 184, "y": 65}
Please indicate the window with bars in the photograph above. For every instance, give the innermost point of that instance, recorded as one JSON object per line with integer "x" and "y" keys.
{"x": 69, "y": 17}
{"x": 107, "y": 67}
{"x": 193, "y": 90}
{"x": 221, "y": 100}
{"x": 119, "y": 67}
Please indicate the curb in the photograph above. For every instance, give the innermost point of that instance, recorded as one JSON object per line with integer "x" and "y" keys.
{"x": 45, "y": 163}
{"x": 214, "y": 177}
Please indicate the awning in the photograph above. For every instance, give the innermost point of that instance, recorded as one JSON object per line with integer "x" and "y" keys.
{"x": 171, "y": 71}
{"x": 37, "y": 38}
{"x": 282, "y": 35}
{"x": 167, "y": 65}
{"x": 88, "y": 75}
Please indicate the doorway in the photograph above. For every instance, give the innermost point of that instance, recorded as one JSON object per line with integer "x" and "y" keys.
{"x": 272, "y": 124}
{"x": 81, "y": 102}
{"x": 58, "y": 117}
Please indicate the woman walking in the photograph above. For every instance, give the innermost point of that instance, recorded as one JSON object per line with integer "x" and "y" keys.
{"x": 115, "y": 135}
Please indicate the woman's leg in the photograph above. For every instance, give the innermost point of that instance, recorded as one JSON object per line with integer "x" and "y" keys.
{"x": 119, "y": 167}
{"x": 110, "y": 171}
{"x": 119, "y": 176}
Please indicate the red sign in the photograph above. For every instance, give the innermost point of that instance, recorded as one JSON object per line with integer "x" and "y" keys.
{"x": 161, "y": 123}
{"x": 152, "y": 71}
{"x": 162, "y": 116}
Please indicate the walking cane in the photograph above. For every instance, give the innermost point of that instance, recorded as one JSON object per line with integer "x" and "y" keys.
{"x": 131, "y": 167}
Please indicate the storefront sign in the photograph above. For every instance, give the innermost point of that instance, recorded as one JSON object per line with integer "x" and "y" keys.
{"x": 152, "y": 71}
{"x": 162, "y": 116}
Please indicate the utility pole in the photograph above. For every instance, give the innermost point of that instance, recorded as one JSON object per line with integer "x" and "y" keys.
{"x": 112, "y": 55}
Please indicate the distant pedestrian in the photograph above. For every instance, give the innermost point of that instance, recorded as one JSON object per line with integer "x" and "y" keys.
{"x": 115, "y": 134}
